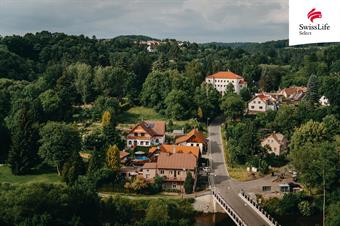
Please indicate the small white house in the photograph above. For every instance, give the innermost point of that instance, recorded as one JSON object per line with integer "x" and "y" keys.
{"x": 262, "y": 103}
{"x": 324, "y": 101}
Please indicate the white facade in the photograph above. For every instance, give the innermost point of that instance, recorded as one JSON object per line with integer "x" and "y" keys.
{"x": 259, "y": 105}
{"x": 221, "y": 84}
{"x": 133, "y": 140}
{"x": 324, "y": 101}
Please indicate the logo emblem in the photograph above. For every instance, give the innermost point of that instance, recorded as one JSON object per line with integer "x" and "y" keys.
{"x": 312, "y": 15}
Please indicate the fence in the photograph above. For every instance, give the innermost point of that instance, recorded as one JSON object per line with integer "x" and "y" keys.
{"x": 269, "y": 219}
{"x": 233, "y": 215}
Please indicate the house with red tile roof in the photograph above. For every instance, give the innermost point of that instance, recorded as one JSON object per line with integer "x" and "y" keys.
{"x": 263, "y": 102}
{"x": 172, "y": 149}
{"x": 173, "y": 168}
{"x": 276, "y": 142}
{"x": 220, "y": 81}
{"x": 194, "y": 138}
{"x": 146, "y": 134}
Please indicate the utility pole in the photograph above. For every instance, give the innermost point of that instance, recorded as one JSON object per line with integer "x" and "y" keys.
{"x": 324, "y": 196}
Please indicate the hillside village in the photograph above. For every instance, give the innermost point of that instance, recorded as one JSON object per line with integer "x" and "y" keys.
{"x": 138, "y": 131}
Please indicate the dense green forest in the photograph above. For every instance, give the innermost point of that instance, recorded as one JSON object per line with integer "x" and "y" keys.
{"x": 48, "y": 80}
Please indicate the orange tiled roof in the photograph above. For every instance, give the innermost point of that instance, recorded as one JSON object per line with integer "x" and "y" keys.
{"x": 226, "y": 75}
{"x": 181, "y": 161}
{"x": 193, "y": 136}
{"x": 170, "y": 148}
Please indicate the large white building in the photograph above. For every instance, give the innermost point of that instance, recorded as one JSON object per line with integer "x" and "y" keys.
{"x": 220, "y": 81}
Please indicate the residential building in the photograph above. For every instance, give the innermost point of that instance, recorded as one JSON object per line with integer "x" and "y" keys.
{"x": 263, "y": 102}
{"x": 194, "y": 138}
{"x": 146, "y": 134}
{"x": 294, "y": 93}
{"x": 276, "y": 142}
{"x": 173, "y": 167}
{"x": 220, "y": 81}
{"x": 324, "y": 101}
{"x": 172, "y": 149}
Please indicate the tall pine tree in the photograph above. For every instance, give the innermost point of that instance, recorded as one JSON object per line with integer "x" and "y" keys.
{"x": 24, "y": 128}
{"x": 312, "y": 94}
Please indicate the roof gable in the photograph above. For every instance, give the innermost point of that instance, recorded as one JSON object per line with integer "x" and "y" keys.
{"x": 170, "y": 148}
{"x": 193, "y": 136}
{"x": 153, "y": 128}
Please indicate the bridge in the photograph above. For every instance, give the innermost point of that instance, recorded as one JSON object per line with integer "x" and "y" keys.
{"x": 241, "y": 208}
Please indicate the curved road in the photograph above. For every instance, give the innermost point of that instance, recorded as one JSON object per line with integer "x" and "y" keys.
{"x": 223, "y": 183}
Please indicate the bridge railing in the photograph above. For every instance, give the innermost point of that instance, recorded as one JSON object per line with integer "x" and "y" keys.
{"x": 233, "y": 215}
{"x": 264, "y": 214}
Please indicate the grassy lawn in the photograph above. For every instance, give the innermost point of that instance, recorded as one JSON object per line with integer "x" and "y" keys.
{"x": 137, "y": 114}
{"x": 8, "y": 177}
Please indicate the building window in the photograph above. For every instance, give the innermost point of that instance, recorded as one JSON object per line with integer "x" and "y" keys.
{"x": 142, "y": 134}
{"x": 174, "y": 186}
{"x": 157, "y": 141}
{"x": 142, "y": 142}
{"x": 261, "y": 107}
{"x": 259, "y": 102}
{"x": 130, "y": 142}
{"x": 252, "y": 107}
{"x": 136, "y": 134}
{"x": 162, "y": 171}
{"x": 146, "y": 142}
{"x": 178, "y": 173}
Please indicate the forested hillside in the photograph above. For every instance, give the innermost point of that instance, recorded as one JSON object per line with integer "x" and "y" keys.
{"x": 50, "y": 82}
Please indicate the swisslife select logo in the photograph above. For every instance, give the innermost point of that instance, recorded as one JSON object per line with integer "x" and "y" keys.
{"x": 314, "y": 21}
{"x": 312, "y": 15}
{"x": 307, "y": 29}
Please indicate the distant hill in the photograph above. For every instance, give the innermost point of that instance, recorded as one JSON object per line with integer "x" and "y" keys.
{"x": 135, "y": 37}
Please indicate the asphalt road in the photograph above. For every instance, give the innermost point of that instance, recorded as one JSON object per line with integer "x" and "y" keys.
{"x": 222, "y": 182}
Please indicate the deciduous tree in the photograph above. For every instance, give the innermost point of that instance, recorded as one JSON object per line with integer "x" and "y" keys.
{"x": 58, "y": 142}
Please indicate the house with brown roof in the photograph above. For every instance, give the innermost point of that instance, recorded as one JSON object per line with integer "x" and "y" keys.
{"x": 295, "y": 93}
{"x": 173, "y": 168}
{"x": 146, "y": 134}
{"x": 220, "y": 81}
{"x": 194, "y": 138}
{"x": 172, "y": 149}
{"x": 276, "y": 142}
{"x": 263, "y": 102}
{"x": 124, "y": 156}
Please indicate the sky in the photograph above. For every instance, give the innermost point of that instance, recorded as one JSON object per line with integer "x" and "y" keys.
{"x": 186, "y": 20}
